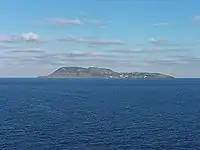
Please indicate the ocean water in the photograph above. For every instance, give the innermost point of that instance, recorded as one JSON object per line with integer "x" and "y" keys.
{"x": 99, "y": 114}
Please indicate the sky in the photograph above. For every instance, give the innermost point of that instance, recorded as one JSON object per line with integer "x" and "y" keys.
{"x": 40, "y": 36}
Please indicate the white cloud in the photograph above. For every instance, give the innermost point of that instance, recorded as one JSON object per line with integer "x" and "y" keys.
{"x": 74, "y": 22}
{"x": 91, "y": 40}
{"x": 28, "y": 50}
{"x": 158, "y": 41}
{"x": 98, "y": 23}
{"x": 163, "y": 62}
{"x": 137, "y": 50}
{"x": 29, "y": 37}
{"x": 64, "y": 22}
{"x": 24, "y": 37}
{"x": 160, "y": 24}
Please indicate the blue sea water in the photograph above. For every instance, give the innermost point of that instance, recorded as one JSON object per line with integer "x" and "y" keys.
{"x": 99, "y": 114}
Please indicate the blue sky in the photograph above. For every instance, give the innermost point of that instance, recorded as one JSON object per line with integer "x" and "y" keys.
{"x": 37, "y": 37}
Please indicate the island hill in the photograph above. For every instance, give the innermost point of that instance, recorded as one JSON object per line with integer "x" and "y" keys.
{"x": 95, "y": 72}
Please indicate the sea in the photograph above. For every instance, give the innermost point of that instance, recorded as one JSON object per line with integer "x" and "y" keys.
{"x": 99, "y": 114}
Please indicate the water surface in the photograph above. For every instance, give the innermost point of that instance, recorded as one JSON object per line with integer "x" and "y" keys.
{"x": 99, "y": 114}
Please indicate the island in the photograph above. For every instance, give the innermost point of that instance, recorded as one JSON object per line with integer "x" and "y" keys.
{"x": 95, "y": 72}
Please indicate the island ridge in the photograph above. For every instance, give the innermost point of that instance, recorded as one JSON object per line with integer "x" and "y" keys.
{"x": 95, "y": 72}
